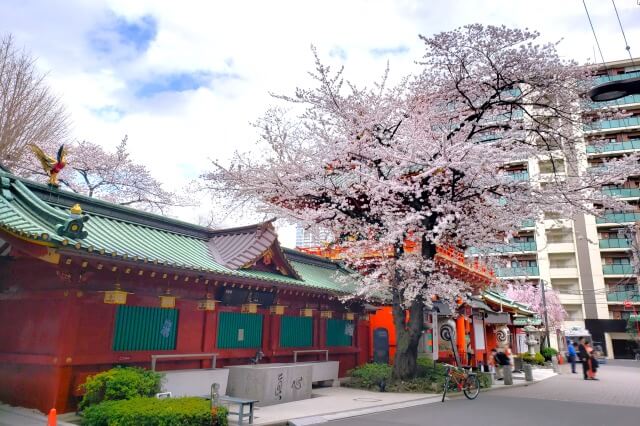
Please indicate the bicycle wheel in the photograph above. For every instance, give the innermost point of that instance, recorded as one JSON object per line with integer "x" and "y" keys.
{"x": 446, "y": 387}
{"x": 471, "y": 387}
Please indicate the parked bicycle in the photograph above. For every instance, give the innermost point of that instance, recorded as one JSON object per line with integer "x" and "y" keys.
{"x": 464, "y": 380}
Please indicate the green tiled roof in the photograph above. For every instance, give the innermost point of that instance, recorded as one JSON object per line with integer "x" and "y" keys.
{"x": 136, "y": 236}
{"x": 500, "y": 298}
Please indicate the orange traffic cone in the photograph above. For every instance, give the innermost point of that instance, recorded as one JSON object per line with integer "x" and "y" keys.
{"x": 52, "y": 421}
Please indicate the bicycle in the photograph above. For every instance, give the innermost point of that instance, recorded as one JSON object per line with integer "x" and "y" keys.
{"x": 465, "y": 381}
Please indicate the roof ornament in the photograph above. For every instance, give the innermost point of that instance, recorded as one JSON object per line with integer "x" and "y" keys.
{"x": 52, "y": 166}
{"x": 73, "y": 227}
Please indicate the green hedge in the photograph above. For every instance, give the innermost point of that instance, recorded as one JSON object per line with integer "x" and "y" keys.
{"x": 120, "y": 383}
{"x": 547, "y": 353}
{"x": 155, "y": 412}
{"x": 429, "y": 378}
{"x": 538, "y": 358}
{"x": 369, "y": 376}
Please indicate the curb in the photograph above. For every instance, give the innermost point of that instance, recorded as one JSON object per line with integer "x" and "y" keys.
{"x": 327, "y": 417}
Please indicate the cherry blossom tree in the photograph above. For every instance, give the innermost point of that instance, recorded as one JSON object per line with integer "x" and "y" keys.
{"x": 111, "y": 176}
{"x": 424, "y": 161}
{"x": 532, "y": 296}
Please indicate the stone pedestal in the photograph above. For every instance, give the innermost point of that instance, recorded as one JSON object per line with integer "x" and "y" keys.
{"x": 270, "y": 383}
{"x": 528, "y": 372}
{"x": 508, "y": 376}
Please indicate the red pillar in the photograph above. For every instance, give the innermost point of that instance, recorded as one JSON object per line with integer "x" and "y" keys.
{"x": 460, "y": 339}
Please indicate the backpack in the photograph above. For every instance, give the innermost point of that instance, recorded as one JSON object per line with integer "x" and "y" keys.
{"x": 502, "y": 358}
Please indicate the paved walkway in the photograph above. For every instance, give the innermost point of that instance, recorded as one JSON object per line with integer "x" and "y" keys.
{"x": 565, "y": 400}
{"x": 329, "y": 404}
{"x": 618, "y": 384}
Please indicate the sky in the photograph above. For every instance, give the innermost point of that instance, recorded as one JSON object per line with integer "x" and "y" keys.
{"x": 184, "y": 79}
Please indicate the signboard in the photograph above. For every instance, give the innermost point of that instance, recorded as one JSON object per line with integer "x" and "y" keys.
{"x": 478, "y": 333}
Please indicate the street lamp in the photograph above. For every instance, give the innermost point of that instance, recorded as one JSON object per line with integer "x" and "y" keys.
{"x": 615, "y": 90}
{"x": 546, "y": 318}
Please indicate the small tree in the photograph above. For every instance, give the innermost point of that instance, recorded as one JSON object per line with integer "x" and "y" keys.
{"x": 29, "y": 111}
{"x": 424, "y": 162}
{"x": 111, "y": 176}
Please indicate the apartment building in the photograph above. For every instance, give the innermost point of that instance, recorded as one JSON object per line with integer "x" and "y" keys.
{"x": 587, "y": 260}
{"x": 306, "y": 238}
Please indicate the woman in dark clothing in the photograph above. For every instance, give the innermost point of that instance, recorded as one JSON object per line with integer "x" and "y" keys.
{"x": 584, "y": 358}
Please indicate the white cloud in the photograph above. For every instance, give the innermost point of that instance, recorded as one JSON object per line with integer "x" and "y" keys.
{"x": 264, "y": 46}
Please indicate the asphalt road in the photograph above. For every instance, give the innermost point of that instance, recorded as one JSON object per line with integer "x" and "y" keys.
{"x": 562, "y": 400}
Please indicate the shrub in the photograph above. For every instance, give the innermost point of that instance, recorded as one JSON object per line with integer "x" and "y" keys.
{"x": 120, "y": 383}
{"x": 533, "y": 359}
{"x": 155, "y": 412}
{"x": 369, "y": 376}
{"x": 547, "y": 353}
{"x": 484, "y": 379}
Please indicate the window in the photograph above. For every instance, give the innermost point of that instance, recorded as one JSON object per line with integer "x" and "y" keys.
{"x": 296, "y": 331}
{"x": 238, "y": 330}
{"x": 549, "y": 166}
{"x": 139, "y": 328}
{"x": 339, "y": 332}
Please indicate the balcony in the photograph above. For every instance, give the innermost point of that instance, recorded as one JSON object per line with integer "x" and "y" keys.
{"x": 513, "y": 247}
{"x": 622, "y": 192}
{"x": 621, "y": 296}
{"x": 520, "y": 176}
{"x": 629, "y": 145}
{"x": 606, "y": 78}
{"x": 619, "y": 217}
{"x": 617, "y": 269}
{"x": 615, "y": 243}
{"x": 627, "y": 100}
{"x": 517, "y": 271}
{"x": 528, "y": 223}
{"x": 612, "y": 124}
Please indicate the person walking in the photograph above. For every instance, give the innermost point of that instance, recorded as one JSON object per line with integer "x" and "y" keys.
{"x": 592, "y": 362}
{"x": 571, "y": 356}
{"x": 584, "y": 358}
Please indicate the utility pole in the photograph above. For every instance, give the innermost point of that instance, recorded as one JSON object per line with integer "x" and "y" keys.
{"x": 546, "y": 318}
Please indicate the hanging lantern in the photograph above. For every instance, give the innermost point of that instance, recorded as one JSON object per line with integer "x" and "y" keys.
{"x": 277, "y": 309}
{"x": 207, "y": 304}
{"x": 167, "y": 301}
{"x": 326, "y": 314}
{"x": 349, "y": 316}
{"x": 115, "y": 297}
{"x": 306, "y": 312}
{"x": 249, "y": 308}
{"x": 363, "y": 317}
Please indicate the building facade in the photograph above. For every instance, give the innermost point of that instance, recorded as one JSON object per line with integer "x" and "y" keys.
{"x": 311, "y": 238}
{"x": 86, "y": 285}
{"x": 587, "y": 260}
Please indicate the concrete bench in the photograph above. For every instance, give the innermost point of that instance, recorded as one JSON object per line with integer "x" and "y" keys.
{"x": 241, "y": 404}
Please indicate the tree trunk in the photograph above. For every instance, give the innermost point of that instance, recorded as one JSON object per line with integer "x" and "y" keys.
{"x": 409, "y": 329}
{"x": 408, "y": 332}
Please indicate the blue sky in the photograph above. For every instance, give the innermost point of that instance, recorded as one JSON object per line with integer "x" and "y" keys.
{"x": 195, "y": 74}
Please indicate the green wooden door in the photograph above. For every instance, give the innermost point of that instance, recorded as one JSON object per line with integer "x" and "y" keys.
{"x": 140, "y": 328}
{"x": 238, "y": 330}
{"x": 339, "y": 332}
{"x": 296, "y": 332}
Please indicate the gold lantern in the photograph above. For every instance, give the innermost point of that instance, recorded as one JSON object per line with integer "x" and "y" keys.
{"x": 167, "y": 301}
{"x": 349, "y": 316}
{"x": 306, "y": 312}
{"x": 207, "y": 304}
{"x": 326, "y": 314}
{"x": 249, "y": 308}
{"x": 363, "y": 317}
{"x": 277, "y": 309}
{"x": 115, "y": 297}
